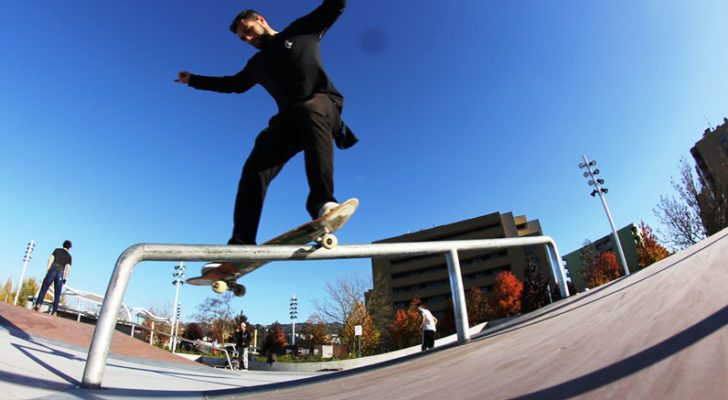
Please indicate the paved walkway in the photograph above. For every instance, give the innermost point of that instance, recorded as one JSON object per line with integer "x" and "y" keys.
{"x": 661, "y": 333}
{"x": 44, "y": 356}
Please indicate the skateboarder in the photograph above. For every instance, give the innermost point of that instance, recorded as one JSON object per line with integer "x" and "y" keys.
{"x": 59, "y": 266}
{"x": 288, "y": 65}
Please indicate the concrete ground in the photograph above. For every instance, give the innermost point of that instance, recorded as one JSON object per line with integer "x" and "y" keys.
{"x": 659, "y": 333}
{"x": 43, "y": 356}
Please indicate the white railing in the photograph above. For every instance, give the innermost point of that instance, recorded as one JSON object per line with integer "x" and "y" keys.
{"x": 101, "y": 341}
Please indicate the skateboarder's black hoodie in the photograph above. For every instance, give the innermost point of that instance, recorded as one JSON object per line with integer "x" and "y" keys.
{"x": 289, "y": 67}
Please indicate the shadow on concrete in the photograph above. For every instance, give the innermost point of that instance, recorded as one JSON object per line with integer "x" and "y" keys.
{"x": 635, "y": 363}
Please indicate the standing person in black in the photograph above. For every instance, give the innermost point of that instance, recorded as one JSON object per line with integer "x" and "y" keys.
{"x": 59, "y": 266}
{"x": 242, "y": 342}
{"x": 288, "y": 65}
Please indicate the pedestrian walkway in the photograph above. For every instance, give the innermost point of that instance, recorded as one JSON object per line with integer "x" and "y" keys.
{"x": 44, "y": 356}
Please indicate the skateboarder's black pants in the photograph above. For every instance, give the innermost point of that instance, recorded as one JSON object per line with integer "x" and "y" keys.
{"x": 307, "y": 126}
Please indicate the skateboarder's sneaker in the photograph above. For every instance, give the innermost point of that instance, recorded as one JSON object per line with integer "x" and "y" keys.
{"x": 36, "y": 308}
{"x": 237, "y": 240}
{"x": 326, "y": 208}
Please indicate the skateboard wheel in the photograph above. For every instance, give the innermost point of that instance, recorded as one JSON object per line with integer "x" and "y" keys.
{"x": 219, "y": 287}
{"x": 239, "y": 290}
{"x": 329, "y": 241}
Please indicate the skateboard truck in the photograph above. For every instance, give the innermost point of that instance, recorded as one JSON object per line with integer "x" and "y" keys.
{"x": 221, "y": 287}
{"x": 327, "y": 240}
{"x": 222, "y": 276}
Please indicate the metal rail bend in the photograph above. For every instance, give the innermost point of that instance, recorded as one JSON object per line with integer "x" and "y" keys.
{"x": 101, "y": 341}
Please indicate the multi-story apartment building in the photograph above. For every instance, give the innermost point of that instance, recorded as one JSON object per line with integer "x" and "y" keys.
{"x": 397, "y": 280}
{"x": 627, "y": 237}
{"x": 711, "y": 153}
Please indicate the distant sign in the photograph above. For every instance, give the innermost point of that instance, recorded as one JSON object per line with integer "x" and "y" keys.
{"x": 357, "y": 330}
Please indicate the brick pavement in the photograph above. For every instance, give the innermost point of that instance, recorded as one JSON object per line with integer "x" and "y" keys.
{"x": 78, "y": 334}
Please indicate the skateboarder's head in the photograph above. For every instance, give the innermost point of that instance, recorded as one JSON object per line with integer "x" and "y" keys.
{"x": 252, "y": 28}
{"x": 67, "y": 245}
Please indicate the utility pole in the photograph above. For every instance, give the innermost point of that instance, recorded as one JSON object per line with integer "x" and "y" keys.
{"x": 294, "y": 315}
{"x": 26, "y": 259}
{"x": 601, "y": 191}
{"x": 179, "y": 275}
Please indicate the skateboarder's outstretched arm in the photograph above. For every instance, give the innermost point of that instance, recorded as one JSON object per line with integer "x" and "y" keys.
{"x": 238, "y": 83}
{"x": 320, "y": 19}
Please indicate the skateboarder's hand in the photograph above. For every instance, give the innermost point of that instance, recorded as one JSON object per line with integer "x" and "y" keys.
{"x": 183, "y": 77}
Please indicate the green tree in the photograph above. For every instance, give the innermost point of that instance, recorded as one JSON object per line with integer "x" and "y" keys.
{"x": 29, "y": 289}
{"x": 7, "y": 295}
{"x": 535, "y": 293}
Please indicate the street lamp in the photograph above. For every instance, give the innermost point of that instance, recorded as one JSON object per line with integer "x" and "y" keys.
{"x": 601, "y": 191}
{"x": 294, "y": 315}
{"x": 179, "y": 275}
{"x": 26, "y": 259}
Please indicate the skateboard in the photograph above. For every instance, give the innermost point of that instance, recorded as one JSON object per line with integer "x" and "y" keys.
{"x": 224, "y": 276}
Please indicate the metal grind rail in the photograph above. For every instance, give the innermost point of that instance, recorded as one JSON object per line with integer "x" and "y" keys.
{"x": 101, "y": 341}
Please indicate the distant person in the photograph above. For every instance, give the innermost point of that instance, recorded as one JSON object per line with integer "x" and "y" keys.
{"x": 288, "y": 66}
{"x": 242, "y": 342}
{"x": 429, "y": 328}
{"x": 59, "y": 266}
{"x": 271, "y": 358}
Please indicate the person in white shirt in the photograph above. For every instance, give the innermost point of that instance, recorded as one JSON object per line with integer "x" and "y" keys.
{"x": 429, "y": 323}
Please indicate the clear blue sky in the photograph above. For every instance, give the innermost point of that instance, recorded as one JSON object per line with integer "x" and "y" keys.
{"x": 463, "y": 109}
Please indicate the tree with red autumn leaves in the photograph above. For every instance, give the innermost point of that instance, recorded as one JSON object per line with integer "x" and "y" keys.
{"x": 506, "y": 300}
{"x": 405, "y": 329}
{"x": 275, "y": 339}
{"x": 603, "y": 269}
{"x": 649, "y": 250}
{"x": 314, "y": 332}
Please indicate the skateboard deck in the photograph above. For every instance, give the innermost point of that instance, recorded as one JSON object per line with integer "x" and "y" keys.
{"x": 223, "y": 276}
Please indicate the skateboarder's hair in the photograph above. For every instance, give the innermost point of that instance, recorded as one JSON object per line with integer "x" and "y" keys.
{"x": 245, "y": 15}
{"x": 67, "y": 244}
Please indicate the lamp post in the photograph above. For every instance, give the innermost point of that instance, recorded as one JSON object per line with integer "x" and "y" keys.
{"x": 601, "y": 191}
{"x": 294, "y": 315}
{"x": 179, "y": 275}
{"x": 26, "y": 259}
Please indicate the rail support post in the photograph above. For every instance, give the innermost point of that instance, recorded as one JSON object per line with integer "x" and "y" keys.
{"x": 458, "y": 296}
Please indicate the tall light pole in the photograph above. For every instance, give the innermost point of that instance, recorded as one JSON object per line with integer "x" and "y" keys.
{"x": 601, "y": 191}
{"x": 26, "y": 259}
{"x": 294, "y": 315}
{"x": 179, "y": 275}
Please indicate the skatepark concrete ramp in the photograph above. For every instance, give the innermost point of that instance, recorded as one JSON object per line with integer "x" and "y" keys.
{"x": 101, "y": 342}
{"x": 659, "y": 333}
